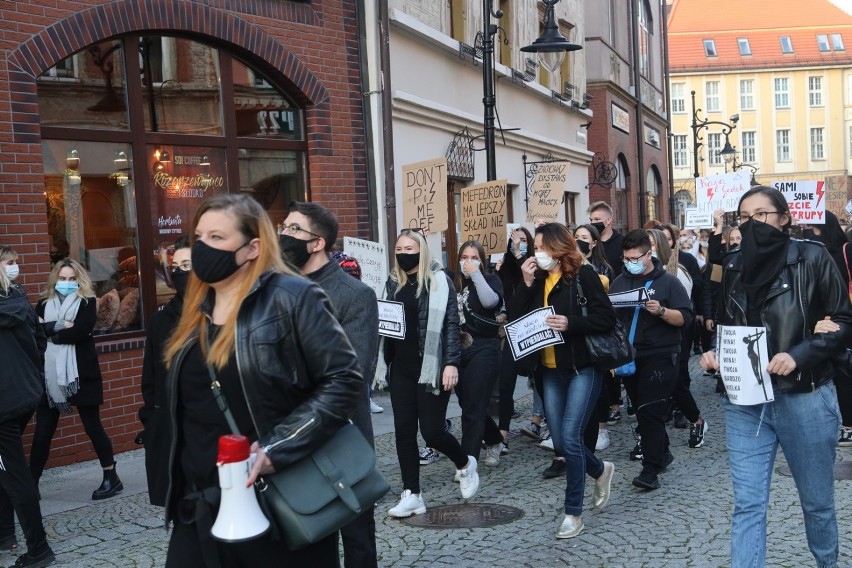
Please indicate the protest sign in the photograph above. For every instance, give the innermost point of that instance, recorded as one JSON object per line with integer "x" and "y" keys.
{"x": 696, "y": 219}
{"x": 548, "y": 189}
{"x": 528, "y": 334}
{"x": 837, "y": 195}
{"x": 743, "y": 359}
{"x": 721, "y": 191}
{"x": 391, "y": 319}
{"x": 483, "y": 218}
{"x": 373, "y": 260}
{"x": 806, "y": 200}
{"x": 424, "y": 195}
{"x": 630, "y": 298}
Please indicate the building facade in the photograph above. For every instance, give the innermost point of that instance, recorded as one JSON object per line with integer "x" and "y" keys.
{"x": 781, "y": 77}
{"x": 119, "y": 117}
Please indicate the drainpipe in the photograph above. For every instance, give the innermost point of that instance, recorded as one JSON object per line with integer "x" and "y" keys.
{"x": 367, "y": 108}
{"x": 387, "y": 120}
{"x": 667, "y": 97}
{"x": 640, "y": 116}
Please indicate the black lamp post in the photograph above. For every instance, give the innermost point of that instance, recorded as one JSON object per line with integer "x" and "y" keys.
{"x": 728, "y": 153}
{"x": 737, "y": 165}
{"x": 551, "y": 46}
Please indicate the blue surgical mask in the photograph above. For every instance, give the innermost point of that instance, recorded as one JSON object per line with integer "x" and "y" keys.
{"x": 635, "y": 268}
{"x": 522, "y": 248}
{"x": 66, "y": 288}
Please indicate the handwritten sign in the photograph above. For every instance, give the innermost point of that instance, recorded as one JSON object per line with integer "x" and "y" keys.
{"x": 528, "y": 334}
{"x": 630, "y": 298}
{"x": 806, "y": 200}
{"x": 373, "y": 260}
{"x": 721, "y": 192}
{"x": 424, "y": 195}
{"x": 391, "y": 319}
{"x": 837, "y": 195}
{"x": 743, "y": 358}
{"x": 483, "y": 216}
{"x": 548, "y": 188}
{"x": 696, "y": 219}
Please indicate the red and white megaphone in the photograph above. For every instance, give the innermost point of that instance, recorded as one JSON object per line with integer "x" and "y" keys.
{"x": 240, "y": 517}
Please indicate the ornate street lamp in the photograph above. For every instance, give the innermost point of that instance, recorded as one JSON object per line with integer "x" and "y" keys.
{"x": 551, "y": 46}
{"x": 727, "y": 153}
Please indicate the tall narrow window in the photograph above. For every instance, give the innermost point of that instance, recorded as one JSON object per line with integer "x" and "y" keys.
{"x": 815, "y": 91}
{"x": 782, "y": 145}
{"x": 710, "y": 48}
{"x": 714, "y": 146}
{"x": 745, "y": 48}
{"x": 786, "y": 44}
{"x": 747, "y": 94}
{"x": 679, "y": 151}
{"x": 817, "y": 147}
{"x": 711, "y": 95}
{"x": 678, "y": 98}
{"x": 646, "y": 28}
{"x": 782, "y": 93}
{"x": 822, "y": 42}
{"x": 749, "y": 147}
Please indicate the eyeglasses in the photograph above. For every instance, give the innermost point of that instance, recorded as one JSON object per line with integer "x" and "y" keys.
{"x": 294, "y": 229}
{"x": 411, "y": 230}
{"x": 760, "y": 216}
{"x": 186, "y": 266}
{"x": 627, "y": 259}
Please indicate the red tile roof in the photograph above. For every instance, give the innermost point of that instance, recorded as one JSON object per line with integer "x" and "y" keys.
{"x": 762, "y": 22}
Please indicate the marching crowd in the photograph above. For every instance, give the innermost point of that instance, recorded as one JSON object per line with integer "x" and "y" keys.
{"x": 280, "y": 321}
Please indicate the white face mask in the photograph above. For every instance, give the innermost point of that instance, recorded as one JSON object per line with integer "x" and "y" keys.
{"x": 461, "y": 266}
{"x": 545, "y": 261}
{"x": 12, "y": 271}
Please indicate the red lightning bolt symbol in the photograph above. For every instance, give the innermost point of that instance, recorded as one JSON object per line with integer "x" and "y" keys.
{"x": 820, "y": 191}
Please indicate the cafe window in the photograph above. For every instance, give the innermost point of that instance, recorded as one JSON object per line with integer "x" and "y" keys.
{"x": 137, "y": 134}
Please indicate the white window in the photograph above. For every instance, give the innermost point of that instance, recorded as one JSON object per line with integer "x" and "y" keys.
{"x": 645, "y": 30}
{"x": 817, "y": 148}
{"x": 749, "y": 147}
{"x": 63, "y": 70}
{"x": 710, "y": 47}
{"x": 711, "y": 94}
{"x": 680, "y": 152}
{"x": 786, "y": 44}
{"x": 782, "y": 145}
{"x": 837, "y": 42}
{"x": 714, "y": 146}
{"x": 678, "y": 98}
{"x": 745, "y": 48}
{"x": 815, "y": 91}
{"x": 782, "y": 93}
{"x": 822, "y": 42}
{"x": 747, "y": 94}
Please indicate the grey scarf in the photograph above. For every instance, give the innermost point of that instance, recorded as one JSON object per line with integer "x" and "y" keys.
{"x": 61, "y": 377}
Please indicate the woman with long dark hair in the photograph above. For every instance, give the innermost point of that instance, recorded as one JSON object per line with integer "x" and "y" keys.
{"x": 570, "y": 383}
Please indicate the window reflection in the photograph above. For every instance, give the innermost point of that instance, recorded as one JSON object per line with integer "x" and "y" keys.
{"x": 261, "y": 110}
{"x": 274, "y": 178}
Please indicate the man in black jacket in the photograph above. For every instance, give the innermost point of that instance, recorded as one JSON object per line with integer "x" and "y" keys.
{"x": 657, "y": 341}
{"x": 356, "y": 308}
{"x": 600, "y": 217}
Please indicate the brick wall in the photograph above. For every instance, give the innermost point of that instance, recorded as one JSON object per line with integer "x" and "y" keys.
{"x": 312, "y": 47}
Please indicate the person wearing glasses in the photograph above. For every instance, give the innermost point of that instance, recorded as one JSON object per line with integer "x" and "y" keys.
{"x": 422, "y": 368}
{"x": 658, "y": 343}
{"x": 152, "y": 414}
{"x": 786, "y": 286}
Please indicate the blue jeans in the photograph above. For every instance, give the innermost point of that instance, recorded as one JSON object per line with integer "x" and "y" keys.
{"x": 569, "y": 402}
{"x": 805, "y": 425}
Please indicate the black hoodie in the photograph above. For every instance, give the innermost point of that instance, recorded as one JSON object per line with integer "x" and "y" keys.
{"x": 22, "y": 378}
{"x": 653, "y": 335}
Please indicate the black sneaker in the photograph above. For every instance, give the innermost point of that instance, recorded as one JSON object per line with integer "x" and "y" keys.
{"x": 429, "y": 456}
{"x": 557, "y": 468}
{"x": 448, "y": 424}
{"x": 696, "y": 433}
{"x": 532, "y": 431}
{"x": 636, "y": 453}
{"x": 647, "y": 479}
{"x": 667, "y": 461}
{"x": 680, "y": 420}
{"x": 28, "y": 560}
{"x": 614, "y": 417}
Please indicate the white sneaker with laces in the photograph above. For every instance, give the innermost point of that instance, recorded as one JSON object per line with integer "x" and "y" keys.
{"x": 469, "y": 479}
{"x": 375, "y": 408}
{"x": 409, "y": 504}
{"x": 547, "y": 443}
{"x": 492, "y": 454}
{"x": 603, "y": 440}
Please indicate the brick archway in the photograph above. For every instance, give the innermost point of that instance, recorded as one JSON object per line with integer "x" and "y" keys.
{"x": 69, "y": 35}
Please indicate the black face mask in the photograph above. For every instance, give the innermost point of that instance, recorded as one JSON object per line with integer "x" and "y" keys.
{"x": 600, "y": 226}
{"x": 584, "y": 247}
{"x": 408, "y": 261}
{"x": 180, "y": 278}
{"x": 213, "y": 265}
{"x": 294, "y": 251}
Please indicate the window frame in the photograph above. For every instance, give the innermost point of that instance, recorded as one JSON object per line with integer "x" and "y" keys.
{"x": 749, "y": 94}
{"x": 714, "y": 146}
{"x": 749, "y": 148}
{"x": 782, "y": 145}
{"x": 708, "y": 96}
{"x": 817, "y": 143}
{"x": 678, "y": 99}
{"x": 837, "y": 42}
{"x": 680, "y": 152}
{"x": 742, "y": 42}
{"x": 822, "y": 43}
{"x": 783, "y": 102}
{"x": 815, "y": 94}
{"x": 786, "y": 44}
{"x": 710, "y": 48}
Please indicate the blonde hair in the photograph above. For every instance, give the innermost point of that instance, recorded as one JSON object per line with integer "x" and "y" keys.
{"x": 7, "y": 253}
{"x": 425, "y": 275}
{"x": 254, "y": 223}
{"x": 85, "y": 289}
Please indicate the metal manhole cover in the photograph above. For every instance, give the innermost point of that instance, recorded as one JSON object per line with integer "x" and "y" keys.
{"x": 471, "y": 515}
{"x": 842, "y": 470}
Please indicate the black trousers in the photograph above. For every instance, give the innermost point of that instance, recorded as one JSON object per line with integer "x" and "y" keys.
{"x": 17, "y": 490}
{"x": 682, "y": 395}
{"x": 477, "y": 374}
{"x": 46, "y": 421}
{"x": 507, "y": 375}
{"x": 650, "y": 389}
{"x": 414, "y": 404}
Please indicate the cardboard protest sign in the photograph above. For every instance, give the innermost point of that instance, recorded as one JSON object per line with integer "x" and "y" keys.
{"x": 373, "y": 260}
{"x": 696, "y": 219}
{"x": 806, "y": 200}
{"x": 483, "y": 218}
{"x": 424, "y": 195}
{"x": 743, "y": 358}
{"x": 721, "y": 191}
{"x": 529, "y": 333}
{"x": 630, "y": 298}
{"x": 837, "y": 195}
{"x": 391, "y": 319}
{"x": 548, "y": 189}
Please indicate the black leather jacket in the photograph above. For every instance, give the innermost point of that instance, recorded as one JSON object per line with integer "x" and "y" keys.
{"x": 808, "y": 289}
{"x": 299, "y": 374}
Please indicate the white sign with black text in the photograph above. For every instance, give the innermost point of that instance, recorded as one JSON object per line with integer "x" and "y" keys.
{"x": 391, "y": 319}
{"x": 743, "y": 358}
{"x": 528, "y": 334}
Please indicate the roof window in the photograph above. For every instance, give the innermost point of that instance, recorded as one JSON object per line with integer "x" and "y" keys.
{"x": 822, "y": 42}
{"x": 786, "y": 44}
{"x": 837, "y": 42}
{"x": 745, "y": 48}
{"x": 710, "y": 48}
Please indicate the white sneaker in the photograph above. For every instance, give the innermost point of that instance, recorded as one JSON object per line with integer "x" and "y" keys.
{"x": 375, "y": 408}
{"x": 603, "y": 440}
{"x": 547, "y": 443}
{"x": 492, "y": 454}
{"x": 468, "y": 479}
{"x": 409, "y": 504}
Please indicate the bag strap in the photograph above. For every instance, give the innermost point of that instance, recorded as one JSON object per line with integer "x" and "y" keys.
{"x": 846, "y": 260}
{"x": 216, "y": 387}
{"x": 636, "y": 316}
{"x": 581, "y": 298}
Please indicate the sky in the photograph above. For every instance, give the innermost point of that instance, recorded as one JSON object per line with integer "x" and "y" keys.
{"x": 845, "y": 5}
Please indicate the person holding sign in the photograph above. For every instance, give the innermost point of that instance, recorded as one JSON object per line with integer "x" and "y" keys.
{"x": 422, "y": 368}
{"x": 785, "y": 286}
{"x": 570, "y": 383}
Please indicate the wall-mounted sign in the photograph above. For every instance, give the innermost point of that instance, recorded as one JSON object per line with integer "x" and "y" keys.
{"x": 620, "y": 118}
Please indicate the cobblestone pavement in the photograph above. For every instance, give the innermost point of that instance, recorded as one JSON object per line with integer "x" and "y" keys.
{"x": 685, "y": 523}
